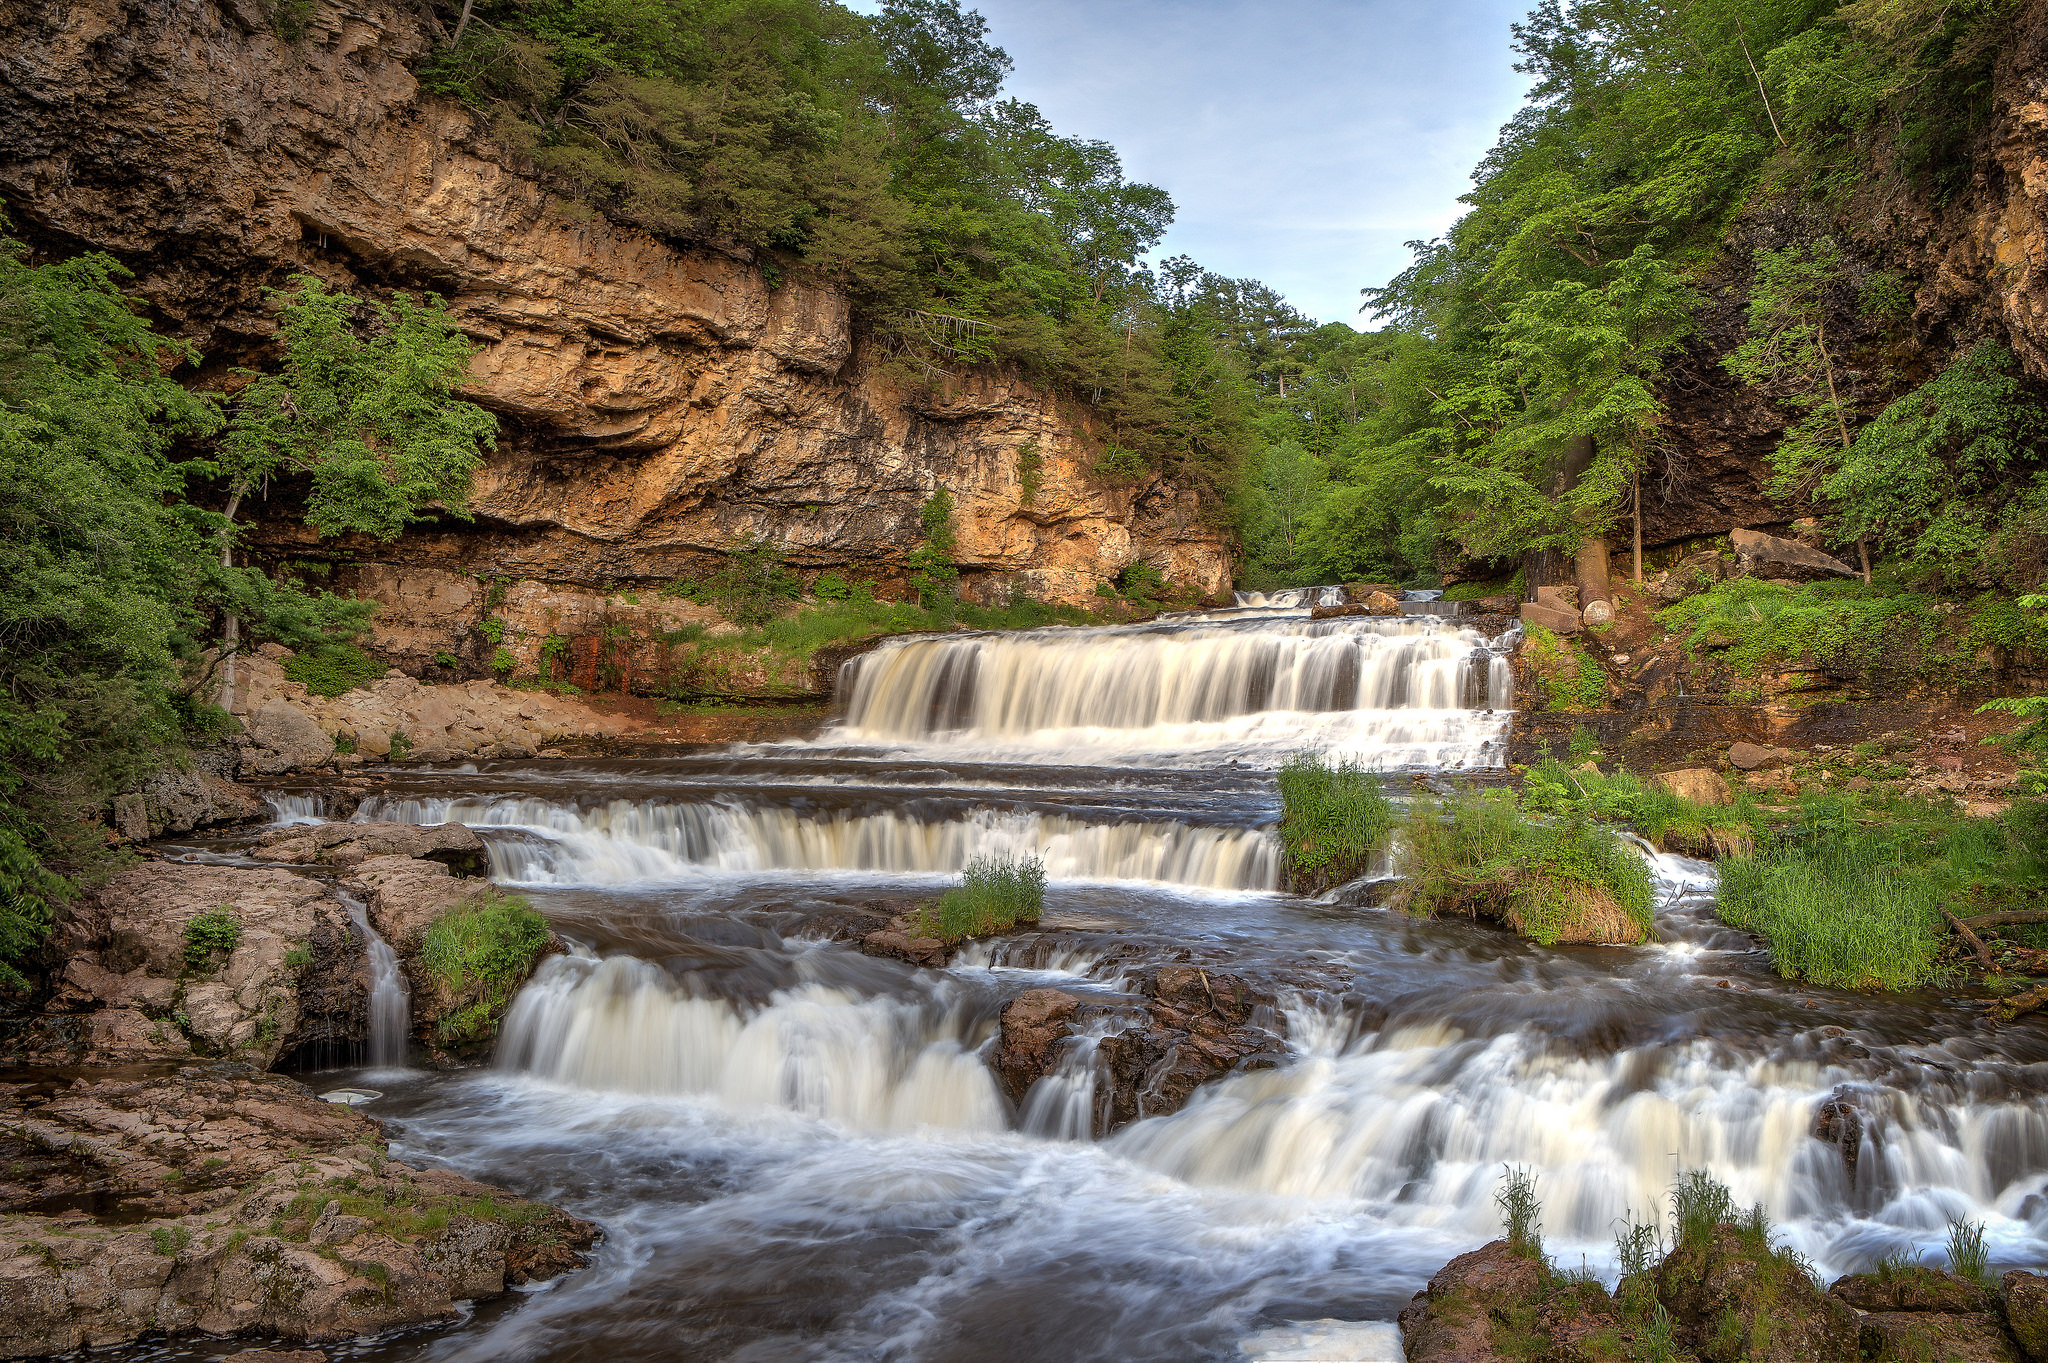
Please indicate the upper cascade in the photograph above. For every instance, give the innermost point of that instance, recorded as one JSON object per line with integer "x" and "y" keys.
{"x": 1384, "y": 690}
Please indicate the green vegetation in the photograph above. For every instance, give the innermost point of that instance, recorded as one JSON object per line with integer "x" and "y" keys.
{"x": 1565, "y": 673}
{"x": 751, "y": 586}
{"x": 210, "y": 936}
{"x": 1521, "y": 1212}
{"x": 1562, "y": 880}
{"x": 996, "y": 893}
{"x": 933, "y": 577}
{"x": 1333, "y": 821}
{"x": 1030, "y": 471}
{"x": 1967, "y": 1255}
{"x": 169, "y": 1240}
{"x": 480, "y": 952}
{"x": 332, "y": 669}
{"x": 1658, "y": 816}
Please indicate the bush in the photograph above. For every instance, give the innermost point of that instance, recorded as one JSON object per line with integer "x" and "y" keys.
{"x": 332, "y": 669}
{"x": 1332, "y": 821}
{"x": 1550, "y": 787}
{"x": 481, "y": 951}
{"x": 752, "y": 585}
{"x": 996, "y": 893}
{"x": 212, "y": 934}
{"x": 1566, "y": 675}
{"x": 831, "y": 587}
{"x": 1119, "y": 465}
{"x": 1569, "y": 880}
{"x": 1838, "y": 912}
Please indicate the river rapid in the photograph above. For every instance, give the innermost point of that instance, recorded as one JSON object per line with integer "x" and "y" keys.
{"x": 798, "y": 1152}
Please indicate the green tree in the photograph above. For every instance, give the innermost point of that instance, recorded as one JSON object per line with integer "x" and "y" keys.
{"x": 933, "y": 575}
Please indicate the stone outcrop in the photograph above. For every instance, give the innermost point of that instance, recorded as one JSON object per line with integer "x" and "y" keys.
{"x": 396, "y": 717}
{"x": 1915, "y": 1313}
{"x": 350, "y": 844}
{"x": 1188, "y": 1025}
{"x": 1779, "y": 552}
{"x": 219, "y": 1201}
{"x": 657, "y": 402}
{"x": 135, "y": 987}
{"x": 180, "y": 800}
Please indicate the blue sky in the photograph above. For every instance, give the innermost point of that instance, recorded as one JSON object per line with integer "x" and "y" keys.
{"x": 1302, "y": 140}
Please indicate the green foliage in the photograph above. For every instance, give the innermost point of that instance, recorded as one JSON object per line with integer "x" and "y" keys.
{"x": 481, "y": 951}
{"x": 996, "y": 893}
{"x": 1967, "y": 1255}
{"x": 1551, "y": 787}
{"x": 504, "y": 662}
{"x": 1700, "y": 1205}
{"x": 371, "y": 421}
{"x": 1788, "y": 352}
{"x": 752, "y": 585}
{"x": 933, "y": 576}
{"x": 1839, "y": 912}
{"x": 1565, "y": 673}
{"x": 1118, "y": 465}
{"x": 1511, "y": 585}
{"x": 1949, "y": 476}
{"x": 493, "y": 630}
{"x": 1568, "y": 879}
{"x": 169, "y": 1240}
{"x": 401, "y": 747}
{"x": 448, "y": 660}
{"x": 1030, "y": 471}
{"x": 831, "y": 587}
{"x": 210, "y": 935}
{"x": 333, "y": 669}
{"x": 1333, "y": 820}
{"x": 1140, "y": 581}
{"x": 1521, "y": 1213}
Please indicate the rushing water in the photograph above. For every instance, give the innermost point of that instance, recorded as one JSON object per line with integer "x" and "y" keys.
{"x": 800, "y": 1152}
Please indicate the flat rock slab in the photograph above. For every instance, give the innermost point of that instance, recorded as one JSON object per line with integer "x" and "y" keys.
{"x": 1772, "y": 549}
{"x": 1556, "y": 619}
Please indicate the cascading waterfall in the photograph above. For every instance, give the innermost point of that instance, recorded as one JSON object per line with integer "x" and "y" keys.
{"x": 1291, "y": 598}
{"x": 1393, "y": 690}
{"x": 1061, "y": 1105}
{"x": 390, "y": 996}
{"x": 296, "y": 809}
{"x": 627, "y": 841}
{"x": 871, "y": 1064}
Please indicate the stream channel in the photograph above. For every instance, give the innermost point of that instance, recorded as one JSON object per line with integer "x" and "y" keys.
{"x": 800, "y": 1152}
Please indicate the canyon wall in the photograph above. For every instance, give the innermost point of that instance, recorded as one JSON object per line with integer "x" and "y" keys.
{"x": 657, "y": 403}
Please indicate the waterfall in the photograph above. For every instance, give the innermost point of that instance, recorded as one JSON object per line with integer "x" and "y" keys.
{"x": 1291, "y": 598}
{"x": 296, "y": 809}
{"x": 627, "y": 841}
{"x": 1388, "y": 690}
{"x": 876, "y": 1064}
{"x": 390, "y": 998}
{"x": 1061, "y": 1104}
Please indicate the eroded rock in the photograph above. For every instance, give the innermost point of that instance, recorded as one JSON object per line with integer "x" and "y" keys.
{"x": 218, "y": 1200}
{"x": 454, "y": 845}
{"x": 1701, "y": 785}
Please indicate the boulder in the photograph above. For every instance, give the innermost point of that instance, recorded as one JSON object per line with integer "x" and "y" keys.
{"x": 1558, "y": 620}
{"x": 1701, "y": 785}
{"x": 1771, "y": 549}
{"x": 1734, "y": 1299}
{"x": 282, "y": 739}
{"x": 454, "y": 845}
{"x": 1383, "y": 603}
{"x": 1911, "y": 1314}
{"x": 220, "y": 1194}
{"x": 133, "y": 989}
{"x": 1452, "y": 1320}
{"x": 1033, "y": 1026}
{"x": 2026, "y": 1311}
{"x": 1751, "y": 756}
{"x": 1693, "y": 573}
{"x": 896, "y": 944}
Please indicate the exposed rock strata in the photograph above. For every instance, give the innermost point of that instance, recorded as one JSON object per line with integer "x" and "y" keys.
{"x": 219, "y": 1201}
{"x": 657, "y": 402}
{"x": 128, "y": 990}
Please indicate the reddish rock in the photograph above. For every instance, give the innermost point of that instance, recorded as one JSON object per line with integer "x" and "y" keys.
{"x": 1033, "y": 1025}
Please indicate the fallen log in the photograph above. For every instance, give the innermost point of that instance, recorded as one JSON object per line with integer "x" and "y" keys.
{"x": 1984, "y": 957}
{"x": 2005, "y": 1010}
{"x": 1999, "y": 920}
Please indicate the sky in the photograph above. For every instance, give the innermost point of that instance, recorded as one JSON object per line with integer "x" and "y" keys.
{"x": 1303, "y": 141}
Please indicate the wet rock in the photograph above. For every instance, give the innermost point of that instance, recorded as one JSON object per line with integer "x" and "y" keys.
{"x": 1340, "y": 612}
{"x": 1200, "y": 1024}
{"x": 1738, "y": 1301}
{"x": 1911, "y": 1289}
{"x": 2026, "y": 1312}
{"x": 1033, "y": 1026}
{"x": 1920, "y": 1336}
{"x": 1701, "y": 785}
{"x": 896, "y": 944}
{"x": 1383, "y": 603}
{"x": 1452, "y": 1321}
{"x": 230, "y": 1202}
{"x": 130, "y": 991}
{"x": 283, "y": 738}
{"x": 349, "y": 844}
{"x": 1840, "y": 1124}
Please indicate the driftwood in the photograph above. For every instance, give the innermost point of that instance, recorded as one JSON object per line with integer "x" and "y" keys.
{"x": 1999, "y": 920}
{"x": 1976, "y": 943}
{"x": 2005, "y": 1010}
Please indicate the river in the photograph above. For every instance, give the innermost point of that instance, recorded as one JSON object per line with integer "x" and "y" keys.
{"x": 799, "y": 1152}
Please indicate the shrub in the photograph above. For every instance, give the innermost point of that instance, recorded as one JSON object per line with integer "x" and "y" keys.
{"x": 332, "y": 669}
{"x": 448, "y": 660}
{"x": 831, "y": 587}
{"x": 996, "y": 893}
{"x": 752, "y": 585}
{"x": 504, "y": 662}
{"x": 1140, "y": 581}
{"x": 214, "y": 933}
{"x": 1837, "y": 911}
{"x": 1569, "y": 880}
{"x": 1565, "y": 674}
{"x": 1332, "y": 820}
{"x": 1030, "y": 472}
{"x": 481, "y": 951}
{"x": 1119, "y": 465}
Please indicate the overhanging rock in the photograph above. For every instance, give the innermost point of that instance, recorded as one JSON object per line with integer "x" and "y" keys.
{"x": 1771, "y": 549}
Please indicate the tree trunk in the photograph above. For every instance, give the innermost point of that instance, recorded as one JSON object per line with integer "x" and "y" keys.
{"x": 467, "y": 7}
{"x": 1590, "y": 566}
{"x": 1636, "y": 516}
{"x": 231, "y": 626}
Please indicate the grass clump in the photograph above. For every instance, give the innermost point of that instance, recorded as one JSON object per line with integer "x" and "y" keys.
{"x": 1967, "y": 1255}
{"x": 332, "y": 669}
{"x": 1521, "y": 1213}
{"x": 1333, "y": 820}
{"x": 1567, "y": 880}
{"x": 996, "y": 893}
{"x": 210, "y": 935}
{"x": 480, "y": 952}
{"x": 1837, "y": 912}
{"x": 1654, "y": 813}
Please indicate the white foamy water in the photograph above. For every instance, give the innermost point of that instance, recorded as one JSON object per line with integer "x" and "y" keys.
{"x": 390, "y": 995}
{"x": 624, "y": 842}
{"x": 624, "y": 1026}
{"x": 296, "y": 809}
{"x": 1407, "y": 691}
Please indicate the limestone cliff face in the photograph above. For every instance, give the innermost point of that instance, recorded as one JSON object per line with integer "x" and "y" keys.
{"x": 657, "y": 402}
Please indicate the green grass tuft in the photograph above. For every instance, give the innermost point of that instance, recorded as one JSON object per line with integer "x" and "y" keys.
{"x": 482, "y": 951}
{"x": 1837, "y": 912}
{"x": 996, "y": 893}
{"x": 1332, "y": 820}
{"x": 214, "y": 933}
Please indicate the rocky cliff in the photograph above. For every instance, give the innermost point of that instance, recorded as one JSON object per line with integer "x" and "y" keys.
{"x": 657, "y": 402}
